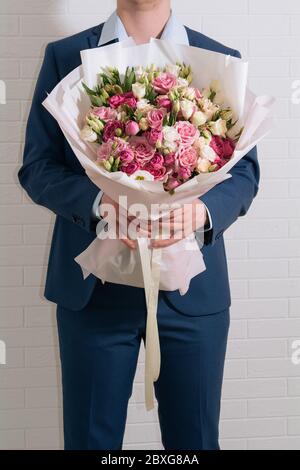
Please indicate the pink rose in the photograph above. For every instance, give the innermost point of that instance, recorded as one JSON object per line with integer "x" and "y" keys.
{"x": 228, "y": 147}
{"x": 130, "y": 99}
{"x": 143, "y": 152}
{"x": 131, "y": 128}
{"x": 116, "y": 101}
{"x": 158, "y": 173}
{"x": 155, "y": 118}
{"x": 188, "y": 157}
{"x": 157, "y": 161}
{"x": 170, "y": 159}
{"x": 104, "y": 113}
{"x": 153, "y": 135}
{"x": 164, "y": 82}
{"x": 184, "y": 173}
{"x": 130, "y": 168}
{"x": 224, "y": 148}
{"x": 216, "y": 144}
{"x": 188, "y": 133}
{"x": 111, "y": 129}
{"x": 126, "y": 156}
{"x": 172, "y": 183}
{"x": 124, "y": 98}
{"x": 119, "y": 144}
{"x": 220, "y": 162}
{"x": 164, "y": 102}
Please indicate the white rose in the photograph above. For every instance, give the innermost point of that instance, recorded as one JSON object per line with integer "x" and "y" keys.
{"x": 190, "y": 93}
{"x": 199, "y": 143}
{"x": 203, "y": 165}
{"x": 208, "y": 153}
{"x": 170, "y": 134}
{"x": 218, "y": 127}
{"x": 187, "y": 108}
{"x": 198, "y": 119}
{"x": 143, "y": 104}
{"x": 208, "y": 107}
{"x": 173, "y": 68}
{"x": 138, "y": 90}
{"x": 88, "y": 134}
{"x": 171, "y": 137}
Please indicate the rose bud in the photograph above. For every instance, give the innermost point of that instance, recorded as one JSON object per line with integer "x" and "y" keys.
{"x": 131, "y": 128}
{"x": 143, "y": 124}
{"x": 198, "y": 119}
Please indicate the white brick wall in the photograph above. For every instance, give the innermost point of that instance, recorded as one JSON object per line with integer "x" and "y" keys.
{"x": 261, "y": 403}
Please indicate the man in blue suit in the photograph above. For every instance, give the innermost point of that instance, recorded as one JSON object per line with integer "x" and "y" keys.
{"x": 101, "y": 326}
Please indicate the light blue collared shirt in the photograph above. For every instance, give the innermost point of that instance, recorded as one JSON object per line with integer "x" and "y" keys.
{"x": 113, "y": 28}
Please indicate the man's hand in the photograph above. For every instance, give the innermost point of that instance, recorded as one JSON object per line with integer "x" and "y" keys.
{"x": 181, "y": 223}
{"x": 178, "y": 224}
{"x": 122, "y": 218}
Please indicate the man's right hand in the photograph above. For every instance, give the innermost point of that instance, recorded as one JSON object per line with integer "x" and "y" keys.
{"x": 122, "y": 219}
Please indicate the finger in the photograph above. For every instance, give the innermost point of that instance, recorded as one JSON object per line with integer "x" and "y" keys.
{"x": 129, "y": 243}
{"x": 163, "y": 243}
{"x": 177, "y": 230}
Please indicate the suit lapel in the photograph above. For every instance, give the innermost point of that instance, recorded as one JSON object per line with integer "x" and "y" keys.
{"x": 195, "y": 38}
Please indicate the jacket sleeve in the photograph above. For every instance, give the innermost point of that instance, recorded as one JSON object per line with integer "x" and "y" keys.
{"x": 232, "y": 198}
{"x": 44, "y": 174}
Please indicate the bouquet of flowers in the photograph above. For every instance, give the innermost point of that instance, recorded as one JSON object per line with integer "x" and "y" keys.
{"x": 153, "y": 124}
{"x": 156, "y": 135}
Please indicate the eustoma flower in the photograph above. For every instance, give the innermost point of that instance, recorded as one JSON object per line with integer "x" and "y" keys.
{"x": 155, "y": 118}
{"x": 158, "y": 124}
{"x": 104, "y": 113}
{"x": 142, "y": 149}
{"x": 164, "y": 82}
{"x": 187, "y": 132}
{"x": 112, "y": 129}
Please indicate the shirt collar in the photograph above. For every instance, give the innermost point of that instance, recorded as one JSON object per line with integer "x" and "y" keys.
{"x": 113, "y": 28}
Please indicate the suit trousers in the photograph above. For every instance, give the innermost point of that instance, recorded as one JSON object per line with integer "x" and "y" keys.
{"x": 99, "y": 347}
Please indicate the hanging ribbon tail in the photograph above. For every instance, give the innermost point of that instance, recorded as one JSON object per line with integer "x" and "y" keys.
{"x": 151, "y": 276}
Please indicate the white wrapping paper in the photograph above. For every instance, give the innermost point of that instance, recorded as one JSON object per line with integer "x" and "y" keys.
{"x": 173, "y": 267}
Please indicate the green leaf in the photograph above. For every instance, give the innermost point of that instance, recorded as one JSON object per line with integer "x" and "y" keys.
{"x": 150, "y": 94}
{"x": 96, "y": 101}
{"x": 88, "y": 90}
{"x": 166, "y": 120}
{"x": 231, "y": 124}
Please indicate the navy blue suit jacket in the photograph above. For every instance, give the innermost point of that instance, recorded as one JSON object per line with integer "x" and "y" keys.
{"x": 53, "y": 177}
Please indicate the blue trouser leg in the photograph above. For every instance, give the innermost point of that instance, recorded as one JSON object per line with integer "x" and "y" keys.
{"x": 188, "y": 390}
{"x": 99, "y": 348}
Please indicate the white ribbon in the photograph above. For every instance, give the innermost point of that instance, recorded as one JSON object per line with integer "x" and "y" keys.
{"x": 150, "y": 261}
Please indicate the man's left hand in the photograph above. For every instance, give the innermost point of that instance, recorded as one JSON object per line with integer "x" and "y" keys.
{"x": 181, "y": 223}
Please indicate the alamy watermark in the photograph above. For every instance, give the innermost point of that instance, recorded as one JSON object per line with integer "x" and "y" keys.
{"x": 295, "y": 97}
{"x": 295, "y": 358}
{"x": 2, "y": 353}
{"x": 2, "y": 92}
{"x": 156, "y": 221}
